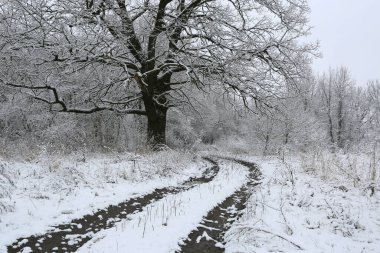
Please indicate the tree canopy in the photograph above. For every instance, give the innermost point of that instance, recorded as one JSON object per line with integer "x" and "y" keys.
{"x": 136, "y": 57}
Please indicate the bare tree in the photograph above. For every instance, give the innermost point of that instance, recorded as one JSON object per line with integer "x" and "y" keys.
{"x": 373, "y": 92}
{"x": 343, "y": 86}
{"x": 326, "y": 90}
{"x": 373, "y": 116}
{"x": 358, "y": 109}
{"x": 336, "y": 90}
{"x": 93, "y": 55}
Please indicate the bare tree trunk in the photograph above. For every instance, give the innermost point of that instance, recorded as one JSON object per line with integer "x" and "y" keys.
{"x": 286, "y": 132}
{"x": 373, "y": 171}
{"x": 156, "y": 132}
{"x": 156, "y": 110}
{"x": 328, "y": 97}
{"x": 340, "y": 124}
{"x": 266, "y": 144}
{"x": 268, "y": 131}
{"x": 331, "y": 131}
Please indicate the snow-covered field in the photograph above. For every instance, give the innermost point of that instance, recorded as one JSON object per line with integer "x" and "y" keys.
{"x": 301, "y": 204}
{"x": 294, "y": 208}
{"x": 37, "y": 195}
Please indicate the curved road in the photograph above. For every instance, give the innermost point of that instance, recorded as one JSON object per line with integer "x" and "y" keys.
{"x": 214, "y": 225}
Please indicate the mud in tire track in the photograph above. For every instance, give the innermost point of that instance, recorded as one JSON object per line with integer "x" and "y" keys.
{"x": 208, "y": 237}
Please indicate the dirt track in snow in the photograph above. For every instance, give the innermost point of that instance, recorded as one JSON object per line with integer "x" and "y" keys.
{"x": 207, "y": 237}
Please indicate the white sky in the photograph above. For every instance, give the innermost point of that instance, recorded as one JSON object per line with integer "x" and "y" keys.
{"x": 349, "y": 35}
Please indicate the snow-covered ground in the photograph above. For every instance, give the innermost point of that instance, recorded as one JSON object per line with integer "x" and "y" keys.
{"x": 316, "y": 205}
{"x": 165, "y": 223}
{"x": 294, "y": 208}
{"x": 37, "y": 195}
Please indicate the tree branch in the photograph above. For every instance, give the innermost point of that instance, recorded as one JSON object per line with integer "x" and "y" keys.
{"x": 65, "y": 108}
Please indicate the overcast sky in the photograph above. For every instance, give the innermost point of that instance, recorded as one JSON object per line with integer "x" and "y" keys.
{"x": 349, "y": 34}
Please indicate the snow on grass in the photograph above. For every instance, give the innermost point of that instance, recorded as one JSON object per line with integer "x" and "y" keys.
{"x": 163, "y": 224}
{"x": 50, "y": 191}
{"x": 358, "y": 170}
{"x": 295, "y": 209}
{"x": 6, "y": 188}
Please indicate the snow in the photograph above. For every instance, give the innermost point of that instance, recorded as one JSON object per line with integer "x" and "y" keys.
{"x": 294, "y": 209}
{"x": 165, "y": 223}
{"x": 49, "y": 192}
{"x": 319, "y": 207}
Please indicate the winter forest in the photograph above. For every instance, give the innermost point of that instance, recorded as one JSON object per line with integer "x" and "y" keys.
{"x": 182, "y": 126}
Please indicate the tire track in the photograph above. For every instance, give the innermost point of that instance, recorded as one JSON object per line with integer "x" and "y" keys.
{"x": 71, "y": 236}
{"x": 209, "y": 235}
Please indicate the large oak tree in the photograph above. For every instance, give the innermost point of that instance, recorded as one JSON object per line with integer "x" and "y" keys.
{"x": 136, "y": 57}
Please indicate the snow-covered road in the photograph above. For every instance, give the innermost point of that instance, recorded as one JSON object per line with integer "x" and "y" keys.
{"x": 160, "y": 220}
{"x": 162, "y": 225}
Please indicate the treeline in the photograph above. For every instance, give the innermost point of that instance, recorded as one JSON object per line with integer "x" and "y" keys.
{"x": 329, "y": 111}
